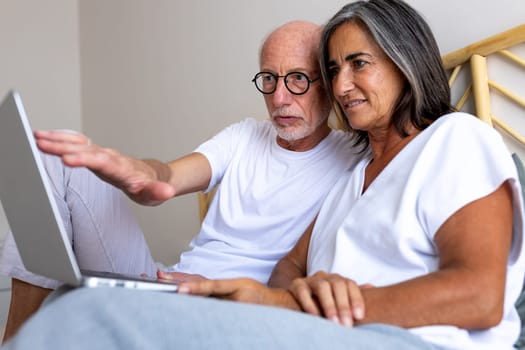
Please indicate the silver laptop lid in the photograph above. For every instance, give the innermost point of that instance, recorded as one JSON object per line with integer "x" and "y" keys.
{"x": 28, "y": 201}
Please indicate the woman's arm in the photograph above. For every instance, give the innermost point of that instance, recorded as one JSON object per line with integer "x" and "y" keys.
{"x": 468, "y": 289}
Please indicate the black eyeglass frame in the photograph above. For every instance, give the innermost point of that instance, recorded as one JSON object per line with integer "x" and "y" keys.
{"x": 310, "y": 81}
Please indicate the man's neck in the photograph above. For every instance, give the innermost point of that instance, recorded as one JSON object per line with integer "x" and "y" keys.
{"x": 306, "y": 143}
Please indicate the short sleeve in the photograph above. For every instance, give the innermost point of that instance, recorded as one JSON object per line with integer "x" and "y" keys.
{"x": 220, "y": 149}
{"x": 472, "y": 162}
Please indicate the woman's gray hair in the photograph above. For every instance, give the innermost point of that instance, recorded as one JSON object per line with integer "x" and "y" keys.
{"x": 405, "y": 37}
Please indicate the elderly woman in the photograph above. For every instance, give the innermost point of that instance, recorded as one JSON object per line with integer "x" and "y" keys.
{"x": 418, "y": 246}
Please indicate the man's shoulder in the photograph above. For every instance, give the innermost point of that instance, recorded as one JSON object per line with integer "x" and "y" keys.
{"x": 247, "y": 131}
{"x": 252, "y": 124}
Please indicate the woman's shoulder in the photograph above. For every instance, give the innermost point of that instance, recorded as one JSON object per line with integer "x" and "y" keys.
{"x": 461, "y": 118}
{"x": 464, "y": 126}
{"x": 465, "y": 138}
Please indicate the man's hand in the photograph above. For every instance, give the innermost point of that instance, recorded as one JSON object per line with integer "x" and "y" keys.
{"x": 337, "y": 298}
{"x": 241, "y": 290}
{"x": 179, "y": 277}
{"x": 137, "y": 178}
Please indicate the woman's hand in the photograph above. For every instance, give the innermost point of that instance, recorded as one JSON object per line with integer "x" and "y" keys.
{"x": 335, "y": 297}
{"x": 241, "y": 290}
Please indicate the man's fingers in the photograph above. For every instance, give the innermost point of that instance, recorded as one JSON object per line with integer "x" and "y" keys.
{"x": 215, "y": 288}
{"x": 167, "y": 276}
{"x": 62, "y": 137}
{"x": 178, "y": 277}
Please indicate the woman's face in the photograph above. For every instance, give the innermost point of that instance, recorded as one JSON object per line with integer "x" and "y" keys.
{"x": 365, "y": 82}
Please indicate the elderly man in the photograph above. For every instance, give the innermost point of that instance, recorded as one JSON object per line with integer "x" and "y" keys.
{"x": 272, "y": 177}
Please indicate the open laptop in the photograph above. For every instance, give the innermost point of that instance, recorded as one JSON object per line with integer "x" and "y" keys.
{"x": 32, "y": 214}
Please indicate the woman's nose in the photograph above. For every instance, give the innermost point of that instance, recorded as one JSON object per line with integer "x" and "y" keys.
{"x": 343, "y": 83}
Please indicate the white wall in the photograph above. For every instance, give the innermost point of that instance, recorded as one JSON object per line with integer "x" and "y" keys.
{"x": 39, "y": 57}
{"x": 157, "y": 77}
{"x": 39, "y": 46}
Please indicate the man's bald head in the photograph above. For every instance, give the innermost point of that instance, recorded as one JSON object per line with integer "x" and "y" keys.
{"x": 301, "y": 34}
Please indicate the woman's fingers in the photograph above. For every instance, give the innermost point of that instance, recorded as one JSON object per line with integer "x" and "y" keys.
{"x": 304, "y": 296}
{"x": 358, "y": 302}
{"x": 342, "y": 302}
{"x": 337, "y": 298}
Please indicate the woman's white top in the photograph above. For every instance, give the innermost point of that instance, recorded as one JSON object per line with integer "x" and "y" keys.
{"x": 386, "y": 234}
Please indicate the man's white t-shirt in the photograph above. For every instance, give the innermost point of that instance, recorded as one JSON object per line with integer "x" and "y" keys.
{"x": 267, "y": 196}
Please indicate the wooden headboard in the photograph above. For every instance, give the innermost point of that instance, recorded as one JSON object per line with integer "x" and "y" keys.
{"x": 480, "y": 88}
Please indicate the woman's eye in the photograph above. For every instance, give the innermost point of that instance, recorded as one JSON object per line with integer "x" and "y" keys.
{"x": 359, "y": 64}
{"x": 332, "y": 72}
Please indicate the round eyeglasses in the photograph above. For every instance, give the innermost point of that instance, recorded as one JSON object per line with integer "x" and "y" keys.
{"x": 296, "y": 82}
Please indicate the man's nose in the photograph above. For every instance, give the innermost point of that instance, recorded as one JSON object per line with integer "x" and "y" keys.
{"x": 281, "y": 96}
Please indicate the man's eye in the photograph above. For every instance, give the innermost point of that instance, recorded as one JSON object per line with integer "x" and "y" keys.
{"x": 299, "y": 77}
{"x": 268, "y": 78}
